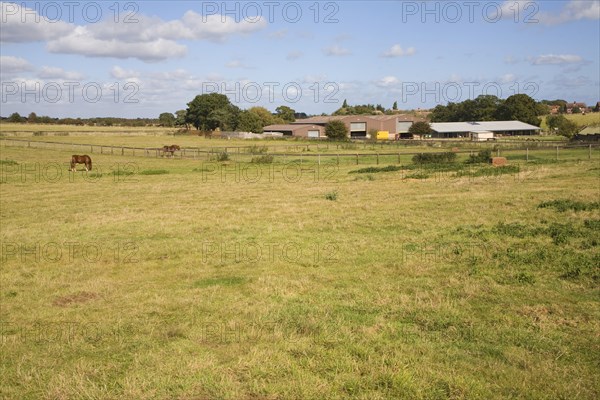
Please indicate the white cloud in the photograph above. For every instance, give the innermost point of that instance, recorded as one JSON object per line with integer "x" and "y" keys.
{"x": 10, "y": 64}
{"x": 387, "y": 81}
{"x": 149, "y": 39}
{"x": 176, "y": 75}
{"x": 511, "y": 60}
{"x": 575, "y": 10}
{"x": 22, "y": 24}
{"x": 580, "y": 81}
{"x": 192, "y": 26}
{"x": 82, "y": 41}
{"x": 336, "y": 51}
{"x": 121, "y": 73}
{"x": 397, "y": 51}
{"x": 555, "y": 59}
{"x": 59, "y": 73}
{"x": 237, "y": 63}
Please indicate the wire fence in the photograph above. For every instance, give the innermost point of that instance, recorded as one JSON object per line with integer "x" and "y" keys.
{"x": 339, "y": 153}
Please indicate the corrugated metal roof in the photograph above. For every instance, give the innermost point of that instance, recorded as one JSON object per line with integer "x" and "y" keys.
{"x": 289, "y": 127}
{"x": 493, "y": 126}
{"x": 282, "y": 127}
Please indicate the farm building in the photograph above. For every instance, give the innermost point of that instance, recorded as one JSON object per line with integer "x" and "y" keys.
{"x": 359, "y": 126}
{"x": 446, "y": 130}
{"x": 307, "y": 131}
{"x": 482, "y": 136}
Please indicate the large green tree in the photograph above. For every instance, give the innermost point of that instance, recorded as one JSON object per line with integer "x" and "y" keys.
{"x": 180, "y": 118}
{"x": 208, "y": 112}
{"x": 250, "y": 122}
{"x": 336, "y": 130}
{"x": 265, "y": 116}
{"x": 286, "y": 113}
{"x": 519, "y": 107}
{"x": 166, "y": 119}
{"x": 420, "y": 128}
{"x": 561, "y": 125}
{"x": 16, "y": 117}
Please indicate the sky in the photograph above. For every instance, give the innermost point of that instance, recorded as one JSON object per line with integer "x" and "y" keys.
{"x": 140, "y": 59}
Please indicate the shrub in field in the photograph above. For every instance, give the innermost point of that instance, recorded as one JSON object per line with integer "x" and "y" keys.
{"x": 223, "y": 156}
{"x": 255, "y": 149}
{"x": 266, "y": 159}
{"x": 372, "y": 170}
{"x": 434, "y": 158}
{"x": 482, "y": 156}
{"x": 332, "y": 195}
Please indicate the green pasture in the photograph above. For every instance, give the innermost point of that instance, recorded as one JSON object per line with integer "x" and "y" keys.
{"x": 168, "y": 278}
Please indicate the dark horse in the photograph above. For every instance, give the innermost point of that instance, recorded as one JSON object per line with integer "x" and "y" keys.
{"x": 170, "y": 149}
{"x": 85, "y": 159}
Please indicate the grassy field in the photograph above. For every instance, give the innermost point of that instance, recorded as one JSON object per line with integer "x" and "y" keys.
{"x": 193, "y": 279}
{"x": 9, "y": 128}
{"x": 590, "y": 119}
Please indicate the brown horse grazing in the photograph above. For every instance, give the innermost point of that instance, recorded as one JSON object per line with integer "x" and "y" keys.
{"x": 84, "y": 159}
{"x": 170, "y": 149}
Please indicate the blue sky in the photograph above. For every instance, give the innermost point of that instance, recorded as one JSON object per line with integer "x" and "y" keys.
{"x": 139, "y": 59}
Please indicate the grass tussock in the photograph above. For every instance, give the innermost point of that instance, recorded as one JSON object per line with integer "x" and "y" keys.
{"x": 563, "y": 205}
{"x": 154, "y": 172}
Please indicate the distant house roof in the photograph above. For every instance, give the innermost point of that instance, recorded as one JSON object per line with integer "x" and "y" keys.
{"x": 493, "y": 126}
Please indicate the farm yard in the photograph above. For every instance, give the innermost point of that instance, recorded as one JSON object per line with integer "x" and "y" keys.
{"x": 256, "y": 278}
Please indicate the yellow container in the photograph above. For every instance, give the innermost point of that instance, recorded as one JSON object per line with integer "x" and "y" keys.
{"x": 383, "y": 135}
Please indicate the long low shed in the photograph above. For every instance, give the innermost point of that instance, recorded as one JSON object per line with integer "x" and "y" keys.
{"x": 499, "y": 128}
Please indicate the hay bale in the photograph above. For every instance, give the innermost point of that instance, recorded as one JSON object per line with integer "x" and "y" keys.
{"x": 499, "y": 161}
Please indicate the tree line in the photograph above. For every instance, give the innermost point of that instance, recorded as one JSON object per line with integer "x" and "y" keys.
{"x": 33, "y": 118}
{"x": 212, "y": 111}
